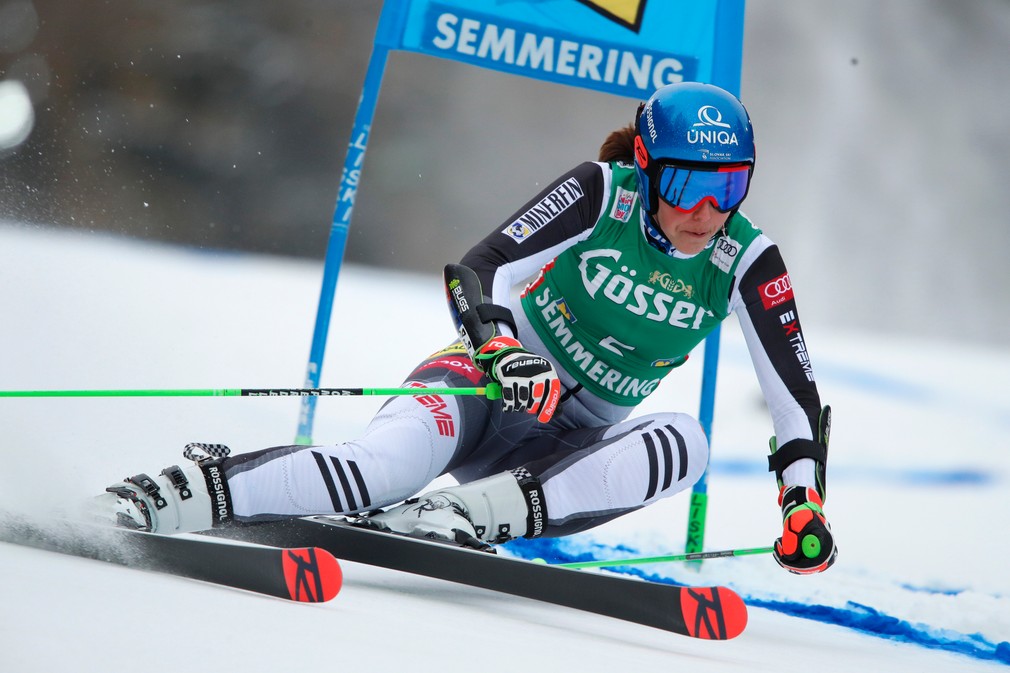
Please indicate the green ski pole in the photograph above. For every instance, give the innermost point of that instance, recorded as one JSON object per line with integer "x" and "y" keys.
{"x": 694, "y": 556}
{"x": 491, "y": 391}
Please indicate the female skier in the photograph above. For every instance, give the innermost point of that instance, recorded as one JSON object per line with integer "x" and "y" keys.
{"x": 636, "y": 257}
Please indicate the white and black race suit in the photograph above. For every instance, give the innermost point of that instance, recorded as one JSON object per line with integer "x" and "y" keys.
{"x": 615, "y": 312}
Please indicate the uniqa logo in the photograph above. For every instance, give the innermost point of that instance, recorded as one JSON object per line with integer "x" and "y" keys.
{"x": 706, "y": 118}
{"x": 710, "y": 116}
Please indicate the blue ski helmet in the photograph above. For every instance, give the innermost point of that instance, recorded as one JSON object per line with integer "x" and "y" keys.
{"x": 694, "y": 142}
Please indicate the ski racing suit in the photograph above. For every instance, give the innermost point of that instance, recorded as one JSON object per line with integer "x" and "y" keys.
{"x": 615, "y": 310}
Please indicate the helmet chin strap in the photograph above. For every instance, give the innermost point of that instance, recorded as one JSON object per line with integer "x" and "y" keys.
{"x": 655, "y": 236}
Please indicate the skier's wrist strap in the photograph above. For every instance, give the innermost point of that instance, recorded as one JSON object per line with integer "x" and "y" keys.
{"x": 497, "y": 313}
{"x": 793, "y": 450}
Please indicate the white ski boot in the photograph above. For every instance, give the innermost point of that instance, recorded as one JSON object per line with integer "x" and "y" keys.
{"x": 174, "y": 501}
{"x": 483, "y": 512}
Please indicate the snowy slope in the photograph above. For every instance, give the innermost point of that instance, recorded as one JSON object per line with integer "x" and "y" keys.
{"x": 918, "y": 478}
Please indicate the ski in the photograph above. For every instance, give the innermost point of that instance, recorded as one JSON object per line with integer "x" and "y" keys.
{"x": 304, "y": 574}
{"x": 711, "y": 613}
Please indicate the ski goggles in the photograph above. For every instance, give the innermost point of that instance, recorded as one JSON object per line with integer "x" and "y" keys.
{"x": 686, "y": 188}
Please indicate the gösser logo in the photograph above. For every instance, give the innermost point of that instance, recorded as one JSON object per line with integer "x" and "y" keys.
{"x": 776, "y": 291}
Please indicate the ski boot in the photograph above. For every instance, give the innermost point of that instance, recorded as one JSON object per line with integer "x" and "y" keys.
{"x": 175, "y": 501}
{"x": 478, "y": 514}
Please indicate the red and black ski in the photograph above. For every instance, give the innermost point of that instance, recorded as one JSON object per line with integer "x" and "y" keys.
{"x": 711, "y": 613}
{"x": 304, "y": 574}
{"x": 299, "y": 564}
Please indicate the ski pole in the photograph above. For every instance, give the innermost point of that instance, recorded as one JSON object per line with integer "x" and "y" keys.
{"x": 695, "y": 556}
{"x": 491, "y": 391}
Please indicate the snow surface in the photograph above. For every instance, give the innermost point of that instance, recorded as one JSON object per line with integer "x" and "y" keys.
{"x": 918, "y": 476}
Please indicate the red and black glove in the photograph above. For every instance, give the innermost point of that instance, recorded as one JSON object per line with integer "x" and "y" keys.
{"x": 528, "y": 381}
{"x": 806, "y": 546}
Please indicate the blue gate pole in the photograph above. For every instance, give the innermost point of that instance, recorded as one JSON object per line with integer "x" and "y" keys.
{"x": 727, "y": 64}
{"x": 388, "y": 34}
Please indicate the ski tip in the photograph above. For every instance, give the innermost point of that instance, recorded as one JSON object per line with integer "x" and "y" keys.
{"x": 312, "y": 574}
{"x": 713, "y": 613}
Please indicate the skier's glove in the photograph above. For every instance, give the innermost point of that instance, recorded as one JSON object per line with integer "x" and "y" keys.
{"x": 528, "y": 381}
{"x": 806, "y": 545}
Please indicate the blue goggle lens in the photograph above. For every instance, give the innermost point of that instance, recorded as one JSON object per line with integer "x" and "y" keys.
{"x": 686, "y": 188}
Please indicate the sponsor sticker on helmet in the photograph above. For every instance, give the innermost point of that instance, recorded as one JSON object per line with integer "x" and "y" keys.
{"x": 710, "y": 128}
{"x": 641, "y": 154}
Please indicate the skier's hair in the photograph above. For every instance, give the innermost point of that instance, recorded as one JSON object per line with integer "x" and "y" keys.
{"x": 619, "y": 145}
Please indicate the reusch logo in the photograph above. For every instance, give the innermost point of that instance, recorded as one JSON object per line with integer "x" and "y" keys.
{"x": 533, "y": 363}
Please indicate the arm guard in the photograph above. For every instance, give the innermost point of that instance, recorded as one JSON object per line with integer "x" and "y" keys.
{"x": 475, "y": 320}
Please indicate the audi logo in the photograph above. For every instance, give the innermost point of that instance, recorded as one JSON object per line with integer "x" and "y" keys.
{"x": 777, "y": 287}
{"x": 725, "y": 247}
